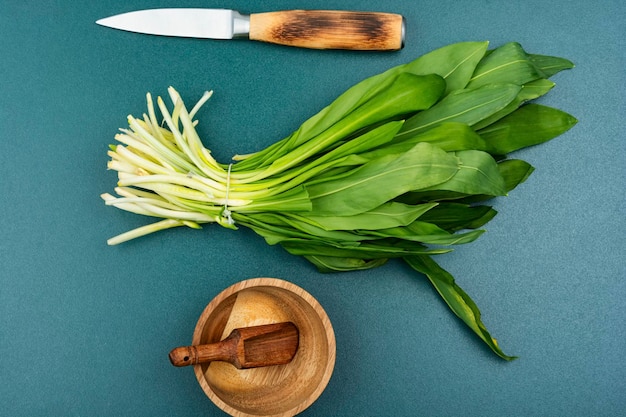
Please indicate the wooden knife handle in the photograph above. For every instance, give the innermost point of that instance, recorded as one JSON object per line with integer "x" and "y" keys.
{"x": 325, "y": 29}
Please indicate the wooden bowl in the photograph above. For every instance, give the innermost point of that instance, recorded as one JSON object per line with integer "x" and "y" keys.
{"x": 281, "y": 390}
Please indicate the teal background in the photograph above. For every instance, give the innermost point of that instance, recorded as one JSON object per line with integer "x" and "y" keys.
{"x": 85, "y": 328}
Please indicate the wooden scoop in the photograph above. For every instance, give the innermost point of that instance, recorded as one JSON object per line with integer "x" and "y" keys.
{"x": 247, "y": 347}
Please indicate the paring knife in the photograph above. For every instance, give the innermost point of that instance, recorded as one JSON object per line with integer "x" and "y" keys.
{"x": 316, "y": 29}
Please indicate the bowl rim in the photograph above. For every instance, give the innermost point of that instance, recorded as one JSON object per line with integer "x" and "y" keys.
{"x": 298, "y": 291}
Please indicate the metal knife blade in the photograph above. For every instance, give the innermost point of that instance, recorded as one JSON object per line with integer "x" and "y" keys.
{"x": 188, "y": 23}
{"x": 318, "y": 29}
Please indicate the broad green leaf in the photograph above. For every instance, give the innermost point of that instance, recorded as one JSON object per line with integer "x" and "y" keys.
{"x": 514, "y": 172}
{"x": 455, "y": 63}
{"x": 529, "y": 125}
{"x": 478, "y": 174}
{"x": 507, "y": 64}
{"x": 464, "y": 106}
{"x": 385, "y": 216}
{"x": 457, "y": 299}
{"x": 550, "y": 65}
{"x": 381, "y": 180}
{"x": 529, "y": 91}
{"x": 457, "y": 216}
{"x": 450, "y": 137}
{"x": 379, "y": 249}
{"x": 428, "y": 233}
{"x": 337, "y": 264}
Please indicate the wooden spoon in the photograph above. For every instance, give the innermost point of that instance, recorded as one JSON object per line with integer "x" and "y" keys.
{"x": 246, "y": 347}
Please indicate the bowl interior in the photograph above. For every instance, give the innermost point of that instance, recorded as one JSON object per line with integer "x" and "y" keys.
{"x": 280, "y": 390}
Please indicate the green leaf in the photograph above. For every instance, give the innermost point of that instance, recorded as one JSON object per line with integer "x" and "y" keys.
{"x": 450, "y": 137}
{"x": 550, "y": 65}
{"x": 478, "y": 174}
{"x": 336, "y": 264}
{"x": 457, "y": 299}
{"x": 529, "y": 125}
{"x": 464, "y": 106}
{"x": 458, "y": 216}
{"x": 428, "y": 233}
{"x": 386, "y": 216}
{"x": 381, "y": 180}
{"x": 529, "y": 91}
{"x": 455, "y": 63}
{"x": 514, "y": 172}
{"x": 507, "y": 64}
{"x": 379, "y": 249}
{"x": 478, "y": 179}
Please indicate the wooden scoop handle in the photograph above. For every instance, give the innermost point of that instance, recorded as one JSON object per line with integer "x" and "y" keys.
{"x": 326, "y": 29}
{"x": 247, "y": 347}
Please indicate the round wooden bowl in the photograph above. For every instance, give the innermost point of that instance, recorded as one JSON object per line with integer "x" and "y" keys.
{"x": 281, "y": 390}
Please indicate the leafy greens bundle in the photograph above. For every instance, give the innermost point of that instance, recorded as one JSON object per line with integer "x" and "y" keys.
{"x": 398, "y": 166}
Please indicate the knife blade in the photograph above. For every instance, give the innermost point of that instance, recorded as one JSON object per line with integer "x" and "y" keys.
{"x": 315, "y": 29}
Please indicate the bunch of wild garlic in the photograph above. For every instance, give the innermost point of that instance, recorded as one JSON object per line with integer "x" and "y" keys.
{"x": 398, "y": 166}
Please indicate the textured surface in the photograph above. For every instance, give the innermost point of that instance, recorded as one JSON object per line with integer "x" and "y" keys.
{"x": 85, "y": 329}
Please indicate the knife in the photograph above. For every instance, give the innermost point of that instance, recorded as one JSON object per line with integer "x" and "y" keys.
{"x": 316, "y": 29}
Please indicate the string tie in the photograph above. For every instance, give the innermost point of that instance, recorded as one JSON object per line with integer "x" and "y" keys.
{"x": 227, "y": 213}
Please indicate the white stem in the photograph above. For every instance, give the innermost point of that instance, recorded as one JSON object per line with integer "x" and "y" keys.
{"x": 144, "y": 230}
